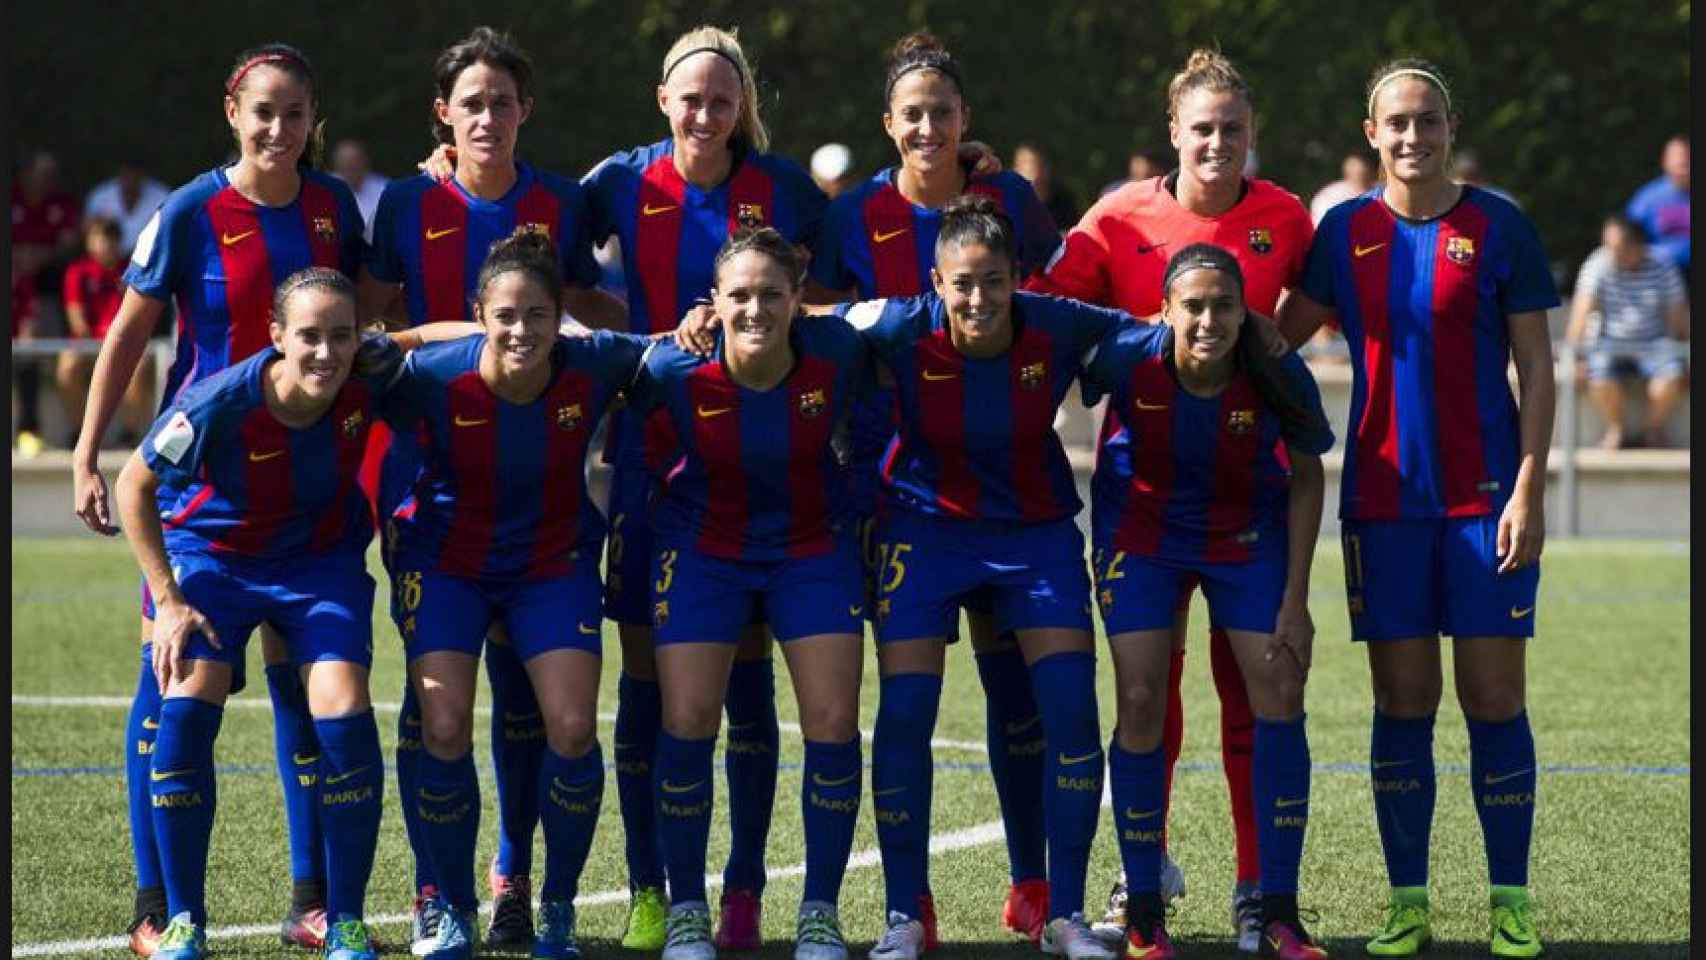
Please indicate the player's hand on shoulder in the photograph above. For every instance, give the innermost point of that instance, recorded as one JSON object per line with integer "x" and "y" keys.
{"x": 697, "y": 332}
{"x": 980, "y": 157}
{"x": 440, "y": 164}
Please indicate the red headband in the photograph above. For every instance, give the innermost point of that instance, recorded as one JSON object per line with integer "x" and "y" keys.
{"x": 255, "y": 61}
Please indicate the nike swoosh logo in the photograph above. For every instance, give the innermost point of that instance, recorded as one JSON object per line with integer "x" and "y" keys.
{"x": 258, "y": 457}
{"x": 1067, "y": 761}
{"x": 855, "y": 610}
{"x": 1013, "y": 729}
{"x": 822, "y": 781}
{"x": 1148, "y": 406}
{"x": 1141, "y": 814}
{"x": 436, "y": 798}
{"x": 340, "y": 778}
{"x": 560, "y": 785}
{"x": 1490, "y": 779}
{"x": 1150, "y": 247}
{"x": 1274, "y": 942}
{"x": 891, "y": 791}
{"x": 672, "y": 788}
{"x": 231, "y": 238}
{"x": 709, "y": 412}
{"x": 1383, "y": 764}
{"x": 589, "y": 631}
{"x": 159, "y": 775}
{"x": 1361, "y": 251}
{"x": 303, "y": 760}
{"x": 149, "y": 723}
{"x": 1281, "y": 802}
{"x": 462, "y": 421}
{"x": 933, "y": 375}
{"x": 1513, "y": 941}
{"x": 651, "y": 211}
{"x": 1402, "y": 934}
{"x": 432, "y": 234}
{"x": 1517, "y": 613}
{"x": 879, "y": 237}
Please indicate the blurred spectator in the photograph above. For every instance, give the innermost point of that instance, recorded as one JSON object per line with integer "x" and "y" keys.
{"x": 1466, "y": 168}
{"x": 1642, "y": 311}
{"x": 1030, "y": 162}
{"x": 129, "y": 199}
{"x": 1356, "y": 177}
{"x": 1140, "y": 165}
{"x": 351, "y": 165}
{"x": 832, "y": 168}
{"x": 94, "y": 286}
{"x": 1661, "y": 207}
{"x": 44, "y": 238}
{"x": 26, "y": 375}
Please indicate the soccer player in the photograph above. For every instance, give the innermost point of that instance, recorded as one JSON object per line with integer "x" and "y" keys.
{"x": 429, "y": 241}
{"x": 1116, "y": 256}
{"x": 501, "y": 529}
{"x": 1192, "y": 487}
{"x": 748, "y": 528}
{"x": 880, "y": 241}
{"x": 1439, "y": 287}
{"x": 218, "y": 247}
{"x": 977, "y": 496}
{"x": 265, "y": 523}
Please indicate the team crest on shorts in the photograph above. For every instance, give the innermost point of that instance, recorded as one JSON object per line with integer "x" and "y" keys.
{"x": 569, "y": 416}
{"x": 1031, "y": 375}
{"x": 353, "y": 423}
{"x": 1261, "y": 240}
{"x": 1240, "y": 422}
{"x": 1460, "y": 250}
{"x": 542, "y": 229}
{"x": 325, "y": 229}
{"x": 660, "y": 613}
{"x": 812, "y": 403}
{"x": 750, "y": 215}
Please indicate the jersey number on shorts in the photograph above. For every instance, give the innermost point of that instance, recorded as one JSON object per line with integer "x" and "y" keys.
{"x": 409, "y": 595}
{"x": 666, "y": 566}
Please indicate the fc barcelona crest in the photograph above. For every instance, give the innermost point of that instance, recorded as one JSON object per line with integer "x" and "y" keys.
{"x": 1261, "y": 240}
{"x": 812, "y": 403}
{"x": 325, "y": 229}
{"x": 1032, "y": 375}
{"x": 1460, "y": 250}
{"x": 750, "y": 215}
{"x": 542, "y": 229}
{"x": 1240, "y": 422}
{"x": 569, "y": 416}
{"x": 353, "y": 423}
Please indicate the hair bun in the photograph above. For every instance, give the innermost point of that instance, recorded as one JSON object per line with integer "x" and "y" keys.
{"x": 919, "y": 41}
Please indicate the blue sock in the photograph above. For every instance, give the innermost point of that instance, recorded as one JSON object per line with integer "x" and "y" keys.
{"x": 139, "y": 733}
{"x": 184, "y": 797}
{"x": 1140, "y": 813}
{"x": 408, "y": 757}
{"x": 1401, "y": 755}
{"x": 1279, "y": 777}
{"x": 639, "y": 715}
{"x": 298, "y": 756}
{"x": 1502, "y": 777}
{"x": 352, "y": 801}
{"x": 901, "y": 775}
{"x": 829, "y": 813}
{"x": 684, "y": 797}
{"x": 1065, "y": 685}
{"x": 449, "y": 799}
{"x": 570, "y": 795}
{"x": 518, "y": 752}
{"x": 1015, "y": 733}
{"x": 750, "y": 762}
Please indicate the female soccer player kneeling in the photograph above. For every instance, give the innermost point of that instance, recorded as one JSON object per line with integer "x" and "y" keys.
{"x": 1190, "y": 488}
{"x": 502, "y": 530}
{"x": 748, "y": 530}
{"x": 268, "y": 525}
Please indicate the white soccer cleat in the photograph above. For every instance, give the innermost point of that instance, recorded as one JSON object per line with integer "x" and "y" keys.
{"x": 1247, "y": 916}
{"x": 903, "y": 940}
{"x": 688, "y": 934}
{"x": 1071, "y": 937}
{"x": 817, "y": 935}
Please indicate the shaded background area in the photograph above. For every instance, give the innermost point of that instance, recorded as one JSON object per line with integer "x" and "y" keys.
{"x": 1566, "y": 102}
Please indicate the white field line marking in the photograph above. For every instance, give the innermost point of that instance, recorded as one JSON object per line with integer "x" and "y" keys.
{"x": 392, "y": 706}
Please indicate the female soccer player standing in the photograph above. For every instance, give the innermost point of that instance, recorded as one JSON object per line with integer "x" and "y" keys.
{"x": 429, "y": 241}
{"x": 1191, "y": 488}
{"x": 1116, "y": 256}
{"x": 1439, "y": 287}
{"x": 218, "y": 247}
{"x": 265, "y": 523}
{"x": 502, "y": 530}
{"x": 747, "y": 531}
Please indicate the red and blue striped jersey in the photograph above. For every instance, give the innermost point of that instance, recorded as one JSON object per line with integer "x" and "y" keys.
{"x": 671, "y": 230}
{"x": 218, "y": 256}
{"x": 433, "y": 237}
{"x": 1433, "y": 429}
{"x": 880, "y": 244}
{"x": 245, "y": 484}
{"x": 1186, "y": 478}
{"x": 977, "y": 438}
{"x": 502, "y": 488}
{"x": 754, "y": 474}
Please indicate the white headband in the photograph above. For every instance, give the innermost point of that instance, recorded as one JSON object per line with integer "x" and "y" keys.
{"x": 1429, "y": 76}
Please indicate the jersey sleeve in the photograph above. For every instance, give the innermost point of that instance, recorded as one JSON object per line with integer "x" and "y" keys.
{"x": 384, "y": 256}
{"x": 1303, "y": 387}
{"x": 1039, "y": 235}
{"x": 810, "y": 204}
{"x": 598, "y": 187}
{"x": 404, "y": 401}
{"x": 159, "y": 263}
{"x": 1105, "y": 365}
{"x": 1318, "y": 265}
{"x": 1529, "y": 286}
{"x": 1078, "y": 267}
{"x": 579, "y": 266}
{"x": 352, "y": 232}
{"x": 621, "y": 354}
{"x": 646, "y": 391}
{"x": 1301, "y": 230}
{"x": 379, "y": 362}
{"x": 828, "y": 266}
{"x": 178, "y": 442}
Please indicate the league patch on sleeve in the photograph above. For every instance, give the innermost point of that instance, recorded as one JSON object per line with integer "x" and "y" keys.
{"x": 145, "y": 242}
{"x": 865, "y": 314}
{"x": 174, "y": 439}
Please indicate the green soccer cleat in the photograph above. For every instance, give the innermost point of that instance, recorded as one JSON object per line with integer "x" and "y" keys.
{"x": 182, "y": 940}
{"x": 648, "y": 915}
{"x": 347, "y": 939}
{"x": 1513, "y": 933}
{"x": 1405, "y": 931}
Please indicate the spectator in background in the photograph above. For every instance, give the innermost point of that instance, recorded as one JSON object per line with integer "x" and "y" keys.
{"x": 1466, "y": 169}
{"x": 832, "y": 169}
{"x": 26, "y": 377}
{"x": 1643, "y": 316}
{"x": 1030, "y": 162}
{"x": 129, "y": 199}
{"x": 1661, "y": 207}
{"x": 44, "y": 237}
{"x": 1356, "y": 177}
{"x": 350, "y": 164}
{"x": 1140, "y": 165}
{"x": 94, "y": 286}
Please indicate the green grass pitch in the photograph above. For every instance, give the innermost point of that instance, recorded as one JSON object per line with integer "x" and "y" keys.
{"x": 1608, "y": 692}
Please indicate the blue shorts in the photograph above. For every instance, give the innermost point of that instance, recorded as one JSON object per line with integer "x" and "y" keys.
{"x": 1650, "y": 359}
{"x": 1424, "y": 578}
{"x": 871, "y": 560}
{"x": 1145, "y": 593}
{"x": 628, "y": 554}
{"x": 321, "y": 606}
{"x": 1033, "y": 574}
{"x": 705, "y": 599}
{"x": 438, "y": 611}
